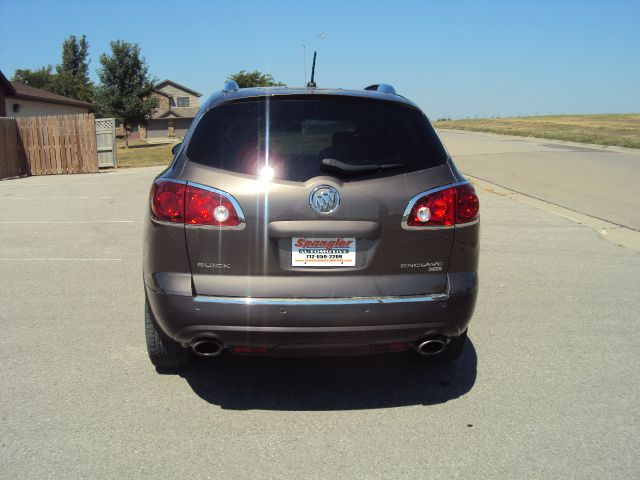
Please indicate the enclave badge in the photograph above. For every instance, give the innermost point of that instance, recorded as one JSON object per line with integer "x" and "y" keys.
{"x": 324, "y": 199}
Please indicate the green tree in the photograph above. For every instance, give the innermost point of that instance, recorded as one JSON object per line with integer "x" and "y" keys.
{"x": 246, "y": 79}
{"x": 71, "y": 77}
{"x": 125, "y": 85}
{"x": 73, "y": 73}
{"x": 39, "y": 78}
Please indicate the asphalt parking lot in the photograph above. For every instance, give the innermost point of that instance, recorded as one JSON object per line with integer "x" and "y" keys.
{"x": 548, "y": 386}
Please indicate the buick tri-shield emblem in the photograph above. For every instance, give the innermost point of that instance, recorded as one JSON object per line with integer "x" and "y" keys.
{"x": 324, "y": 199}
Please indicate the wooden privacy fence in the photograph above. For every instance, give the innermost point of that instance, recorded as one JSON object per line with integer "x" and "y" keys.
{"x": 11, "y": 163}
{"x": 48, "y": 145}
{"x": 61, "y": 144}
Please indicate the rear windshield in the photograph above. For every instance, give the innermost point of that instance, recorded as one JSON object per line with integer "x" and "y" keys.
{"x": 298, "y": 139}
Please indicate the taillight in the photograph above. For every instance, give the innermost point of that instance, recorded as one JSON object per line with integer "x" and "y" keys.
{"x": 467, "y": 204}
{"x": 167, "y": 201}
{"x": 183, "y": 203}
{"x": 445, "y": 207}
{"x": 204, "y": 207}
{"x": 434, "y": 209}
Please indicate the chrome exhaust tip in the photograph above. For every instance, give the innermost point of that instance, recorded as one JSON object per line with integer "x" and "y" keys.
{"x": 431, "y": 346}
{"x": 207, "y": 347}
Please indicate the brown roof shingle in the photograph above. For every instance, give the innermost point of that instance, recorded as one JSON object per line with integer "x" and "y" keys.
{"x": 30, "y": 93}
{"x": 177, "y": 85}
{"x": 183, "y": 112}
{"x": 6, "y": 86}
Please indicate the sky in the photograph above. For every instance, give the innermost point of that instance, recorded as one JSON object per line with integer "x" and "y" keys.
{"x": 454, "y": 59}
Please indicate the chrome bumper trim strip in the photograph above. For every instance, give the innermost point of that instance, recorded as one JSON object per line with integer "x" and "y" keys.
{"x": 434, "y": 297}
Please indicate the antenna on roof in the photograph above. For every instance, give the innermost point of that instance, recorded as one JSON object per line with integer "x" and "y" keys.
{"x": 312, "y": 84}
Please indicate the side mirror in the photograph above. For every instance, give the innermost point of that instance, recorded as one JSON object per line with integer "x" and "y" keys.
{"x": 176, "y": 147}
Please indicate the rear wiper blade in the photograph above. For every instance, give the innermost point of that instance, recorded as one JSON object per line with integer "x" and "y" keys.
{"x": 334, "y": 164}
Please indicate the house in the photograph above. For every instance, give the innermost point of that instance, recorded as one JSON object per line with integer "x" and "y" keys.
{"x": 20, "y": 100}
{"x": 178, "y": 106}
{"x": 6, "y": 89}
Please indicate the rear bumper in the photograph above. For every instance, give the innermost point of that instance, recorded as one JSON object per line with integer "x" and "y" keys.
{"x": 316, "y": 325}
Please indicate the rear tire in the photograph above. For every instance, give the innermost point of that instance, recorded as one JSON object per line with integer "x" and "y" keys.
{"x": 452, "y": 351}
{"x": 164, "y": 353}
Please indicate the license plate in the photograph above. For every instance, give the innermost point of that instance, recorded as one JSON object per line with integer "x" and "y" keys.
{"x": 323, "y": 252}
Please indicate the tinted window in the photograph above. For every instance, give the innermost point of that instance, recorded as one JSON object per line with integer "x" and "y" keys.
{"x": 298, "y": 134}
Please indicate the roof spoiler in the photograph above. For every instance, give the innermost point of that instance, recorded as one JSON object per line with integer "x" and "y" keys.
{"x": 382, "y": 88}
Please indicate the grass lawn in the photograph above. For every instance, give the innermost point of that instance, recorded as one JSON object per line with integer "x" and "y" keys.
{"x": 143, "y": 154}
{"x": 620, "y": 130}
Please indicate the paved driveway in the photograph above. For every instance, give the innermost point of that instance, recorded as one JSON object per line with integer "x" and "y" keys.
{"x": 593, "y": 181}
{"x": 547, "y": 388}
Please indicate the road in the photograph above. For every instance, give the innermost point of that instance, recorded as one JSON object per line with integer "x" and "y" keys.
{"x": 548, "y": 386}
{"x": 594, "y": 181}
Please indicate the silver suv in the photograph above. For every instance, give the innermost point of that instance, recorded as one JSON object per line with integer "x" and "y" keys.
{"x": 307, "y": 221}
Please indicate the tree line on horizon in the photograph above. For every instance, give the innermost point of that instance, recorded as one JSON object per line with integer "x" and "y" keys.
{"x": 124, "y": 90}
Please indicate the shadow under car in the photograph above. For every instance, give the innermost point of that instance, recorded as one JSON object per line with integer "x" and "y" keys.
{"x": 330, "y": 383}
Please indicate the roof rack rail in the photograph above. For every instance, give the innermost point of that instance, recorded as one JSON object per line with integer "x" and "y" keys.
{"x": 230, "y": 86}
{"x": 382, "y": 88}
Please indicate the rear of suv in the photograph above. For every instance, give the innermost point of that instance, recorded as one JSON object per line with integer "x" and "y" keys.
{"x": 297, "y": 222}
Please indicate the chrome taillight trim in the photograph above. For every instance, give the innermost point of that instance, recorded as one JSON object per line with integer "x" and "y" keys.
{"x": 468, "y": 224}
{"x": 405, "y": 216}
{"x": 167, "y": 179}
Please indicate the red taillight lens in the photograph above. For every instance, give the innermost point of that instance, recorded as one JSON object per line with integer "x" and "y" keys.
{"x": 179, "y": 203}
{"x": 467, "y": 204}
{"x": 385, "y": 347}
{"x": 435, "y": 209}
{"x": 445, "y": 208}
{"x": 239, "y": 349}
{"x": 204, "y": 207}
{"x": 167, "y": 201}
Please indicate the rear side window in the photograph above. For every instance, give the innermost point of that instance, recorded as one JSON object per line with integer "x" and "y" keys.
{"x": 299, "y": 139}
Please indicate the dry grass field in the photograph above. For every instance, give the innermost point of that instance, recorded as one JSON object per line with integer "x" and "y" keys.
{"x": 620, "y": 130}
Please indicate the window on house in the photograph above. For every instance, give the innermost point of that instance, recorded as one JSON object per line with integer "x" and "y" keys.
{"x": 183, "y": 101}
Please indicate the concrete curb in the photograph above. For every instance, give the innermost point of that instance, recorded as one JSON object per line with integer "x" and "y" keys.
{"x": 620, "y": 235}
{"x": 592, "y": 146}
